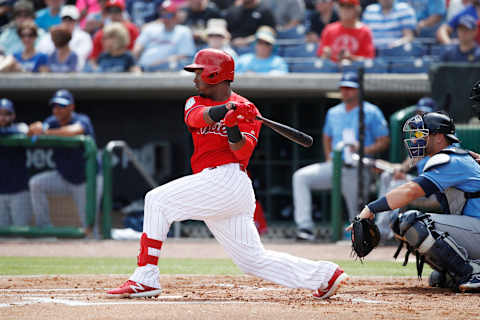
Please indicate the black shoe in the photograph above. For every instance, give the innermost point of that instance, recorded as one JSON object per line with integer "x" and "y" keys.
{"x": 472, "y": 284}
{"x": 305, "y": 235}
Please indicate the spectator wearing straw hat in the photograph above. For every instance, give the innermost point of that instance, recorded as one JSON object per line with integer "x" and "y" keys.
{"x": 263, "y": 60}
{"x": 217, "y": 37}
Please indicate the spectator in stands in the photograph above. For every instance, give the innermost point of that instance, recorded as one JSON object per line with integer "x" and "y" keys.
{"x": 325, "y": 13}
{"x": 243, "y": 21}
{"x": 29, "y": 59}
{"x": 467, "y": 49}
{"x": 6, "y": 7}
{"x": 398, "y": 175}
{"x": 85, "y": 8}
{"x": 8, "y": 62}
{"x": 94, "y": 21}
{"x": 115, "y": 56}
{"x": 341, "y": 125}
{"x": 224, "y": 4}
{"x": 143, "y": 11}
{"x": 218, "y": 36}
{"x": 9, "y": 39}
{"x": 263, "y": 60}
{"x": 429, "y": 15}
{"x": 164, "y": 44}
{"x": 195, "y": 16}
{"x": 445, "y": 32}
{"x": 456, "y": 6}
{"x": 288, "y": 14}
{"x": 49, "y": 16}
{"x": 63, "y": 59}
{"x": 15, "y": 204}
{"x": 392, "y": 23}
{"x": 69, "y": 177}
{"x": 115, "y": 13}
{"x": 80, "y": 44}
{"x": 347, "y": 39}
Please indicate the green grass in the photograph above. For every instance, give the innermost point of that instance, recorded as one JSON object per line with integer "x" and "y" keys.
{"x": 56, "y": 265}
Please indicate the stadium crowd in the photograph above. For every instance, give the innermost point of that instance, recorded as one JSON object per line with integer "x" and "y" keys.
{"x": 267, "y": 36}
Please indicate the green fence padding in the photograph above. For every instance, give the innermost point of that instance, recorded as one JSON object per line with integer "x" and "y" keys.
{"x": 336, "y": 205}
{"x": 397, "y": 151}
{"x": 36, "y": 232}
{"x": 91, "y": 185}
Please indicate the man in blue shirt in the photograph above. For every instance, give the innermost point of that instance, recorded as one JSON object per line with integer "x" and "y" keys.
{"x": 467, "y": 49}
{"x": 69, "y": 178}
{"x": 15, "y": 204}
{"x": 49, "y": 16}
{"x": 445, "y": 32}
{"x": 430, "y": 14}
{"x": 341, "y": 125}
{"x": 447, "y": 242}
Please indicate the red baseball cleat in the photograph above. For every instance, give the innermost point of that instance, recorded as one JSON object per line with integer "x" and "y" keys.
{"x": 339, "y": 277}
{"x": 132, "y": 289}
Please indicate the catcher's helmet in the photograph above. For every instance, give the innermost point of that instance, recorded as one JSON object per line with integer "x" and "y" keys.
{"x": 475, "y": 97}
{"x": 217, "y": 65}
{"x": 418, "y": 127}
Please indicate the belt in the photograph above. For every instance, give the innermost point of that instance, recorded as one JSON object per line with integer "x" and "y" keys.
{"x": 240, "y": 166}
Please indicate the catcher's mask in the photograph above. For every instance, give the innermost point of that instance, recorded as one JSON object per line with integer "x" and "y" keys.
{"x": 216, "y": 66}
{"x": 419, "y": 127}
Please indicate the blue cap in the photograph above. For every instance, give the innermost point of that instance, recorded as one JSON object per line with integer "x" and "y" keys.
{"x": 349, "y": 80}
{"x": 6, "y": 104}
{"x": 62, "y": 98}
{"x": 427, "y": 104}
{"x": 468, "y": 22}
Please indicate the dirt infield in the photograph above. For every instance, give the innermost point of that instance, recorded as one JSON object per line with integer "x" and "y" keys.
{"x": 217, "y": 297}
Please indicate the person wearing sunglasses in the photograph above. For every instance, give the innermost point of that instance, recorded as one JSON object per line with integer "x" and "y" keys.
{"x": 29, "y": 59}
{"x": 9, "y": 39}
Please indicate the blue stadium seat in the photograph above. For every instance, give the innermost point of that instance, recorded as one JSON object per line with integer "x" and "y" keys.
{"x": 408, "y": 50}
{"x": 307, "y": 50}
{"x": 418, "y": 65}
{"x": 370, "y": 66}
{"x": 297, "y": 32}
{"x": 314, "y": 66}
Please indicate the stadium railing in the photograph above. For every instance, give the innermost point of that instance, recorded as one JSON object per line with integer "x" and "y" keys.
{"x": 91, "y": 184}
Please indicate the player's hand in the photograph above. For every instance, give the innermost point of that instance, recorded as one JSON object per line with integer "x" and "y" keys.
{"x": 232, "y": 118}
{"x": 365, "y": 214}
{"x": 35, "y": 128}
{"x": 247, "y": 110}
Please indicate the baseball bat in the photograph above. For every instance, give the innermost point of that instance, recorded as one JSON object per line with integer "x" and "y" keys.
{"x": 293, "y": 134}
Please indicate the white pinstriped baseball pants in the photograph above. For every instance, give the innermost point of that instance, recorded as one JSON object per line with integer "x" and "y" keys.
{"x": 224, "y": 199}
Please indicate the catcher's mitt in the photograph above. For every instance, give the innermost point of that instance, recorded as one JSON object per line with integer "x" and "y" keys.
{"x": 365, "y": 236}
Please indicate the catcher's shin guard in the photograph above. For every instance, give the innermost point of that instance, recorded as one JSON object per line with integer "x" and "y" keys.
{"x": 438, "y": 249}
{"x": 149, "y": 251}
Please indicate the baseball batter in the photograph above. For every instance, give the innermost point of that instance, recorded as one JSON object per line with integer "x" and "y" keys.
{"x": 219, "y": 191}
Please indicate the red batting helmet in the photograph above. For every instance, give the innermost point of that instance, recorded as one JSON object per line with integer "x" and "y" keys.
{"x": 217, "y": 65}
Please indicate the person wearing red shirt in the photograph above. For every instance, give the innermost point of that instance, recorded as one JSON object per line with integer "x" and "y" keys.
{"x": 219, "y": 192}
{"x": 115, "y": 13}
{"x": 347, "y": 39}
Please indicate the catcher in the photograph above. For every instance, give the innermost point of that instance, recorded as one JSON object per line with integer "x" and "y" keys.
{"x": 447, "y": 242}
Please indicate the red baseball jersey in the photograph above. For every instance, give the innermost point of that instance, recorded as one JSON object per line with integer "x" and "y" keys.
{"x": 210, "y": 143}
{"x": 358, "y": 41}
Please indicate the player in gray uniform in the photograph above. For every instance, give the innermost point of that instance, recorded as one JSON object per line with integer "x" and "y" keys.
{"x": 447, "y": 242}
{"x": 15, "y": 205}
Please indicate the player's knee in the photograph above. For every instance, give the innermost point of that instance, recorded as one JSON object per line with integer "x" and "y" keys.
{"x": 411, "y": 225}
{"x": 34, "y": 183}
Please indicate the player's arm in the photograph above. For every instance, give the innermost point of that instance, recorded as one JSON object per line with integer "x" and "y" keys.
{"x": 202, "y": 116}
{"x": 327, "y": 147}
{"x": 396, "y": 198}
{"x": 65, "y": 131}
{"x": 378, "y": 146}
